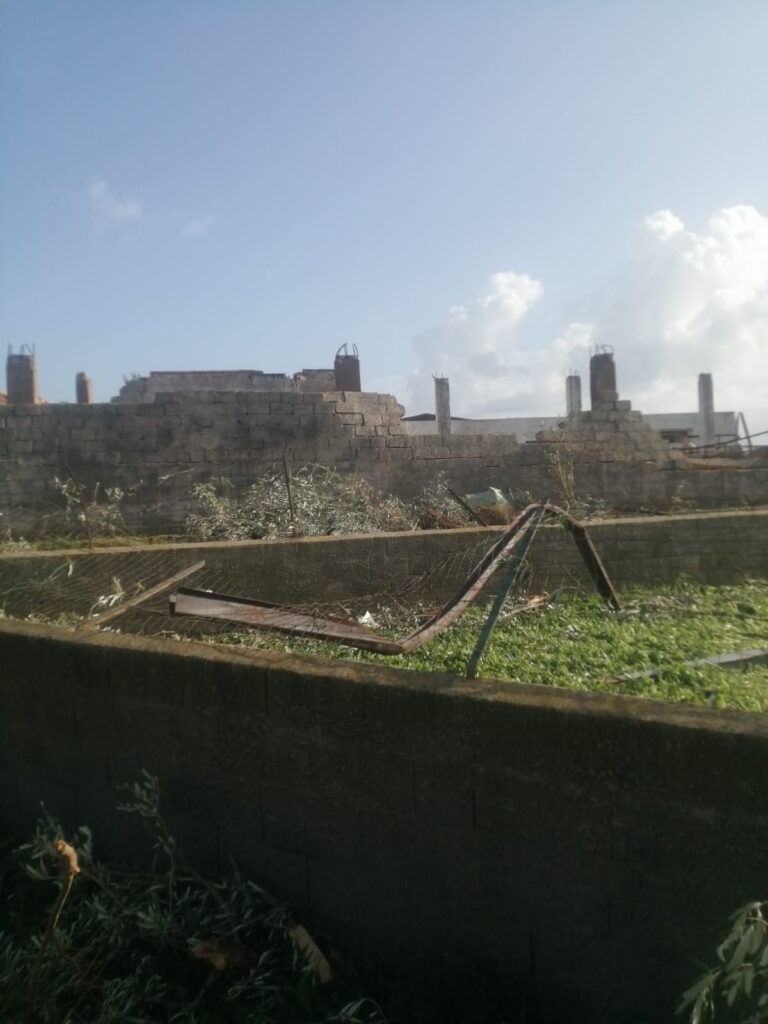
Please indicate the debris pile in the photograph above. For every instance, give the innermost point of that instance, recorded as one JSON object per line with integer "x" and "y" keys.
{"x": 315, "y": 501}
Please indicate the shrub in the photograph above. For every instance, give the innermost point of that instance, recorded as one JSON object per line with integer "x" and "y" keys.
{"x": 320, "y": 502}
{"x": 736, "y": 988}
{"x": 158, "y": 943}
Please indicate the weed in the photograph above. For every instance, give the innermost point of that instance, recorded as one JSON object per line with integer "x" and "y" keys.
{"x": 91, "y": 515}
{"x": 736, "y": 988}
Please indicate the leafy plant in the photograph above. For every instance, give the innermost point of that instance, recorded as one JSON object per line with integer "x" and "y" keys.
{"x": 92, "y": 515}
{"x": 736, "y": 988}
{"x": 160, "y": 943}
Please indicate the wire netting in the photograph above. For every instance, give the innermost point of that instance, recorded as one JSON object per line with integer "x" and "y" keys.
{"x": 129, "y": 589}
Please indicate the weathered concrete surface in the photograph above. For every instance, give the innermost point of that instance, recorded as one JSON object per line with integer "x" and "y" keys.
{"x": 146, "y": 389}
{"x": 586, "y": 847}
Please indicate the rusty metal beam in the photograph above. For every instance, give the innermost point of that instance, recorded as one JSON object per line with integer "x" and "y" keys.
{"x": 262, "y": 615}
{"x": 593, "y": 562}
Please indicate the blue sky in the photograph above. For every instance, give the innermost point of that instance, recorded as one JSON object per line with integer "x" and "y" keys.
{"x": 470, "y": 188}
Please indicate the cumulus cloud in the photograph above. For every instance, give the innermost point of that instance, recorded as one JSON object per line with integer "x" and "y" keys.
{"x": 476, "y": 347}
{"x": 693, "y": 301}
{"x": 199, "y": 226}
{"x": 688, "y": 301}
{"x": 110, "y": 208}
{"x": 663, "y": 224}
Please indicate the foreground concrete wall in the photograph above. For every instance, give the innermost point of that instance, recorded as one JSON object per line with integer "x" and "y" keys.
{"x": 586, "y": 848}
{"x": 156, "y": 452}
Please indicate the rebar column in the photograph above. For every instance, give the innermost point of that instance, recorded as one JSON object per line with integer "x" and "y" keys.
{"x": 346, "y": 369}
{"x": 573, "y": 394}
{"x": 443, "y": 405}
{"x": 21, "y": 378}
{"x": 602, "y": 376}
{"x": 83, "y": 389}
{"x": 706, "y": 409}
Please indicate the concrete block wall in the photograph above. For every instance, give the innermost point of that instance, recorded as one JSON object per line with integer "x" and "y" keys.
{"x": 146, "y": 389}
{"x": 587, "y": 849}
{"x": 161, "y": 449}
{"x": 315, "y": 380}
{"x": 611, "y": 426}
{"x": 156, "y": 452}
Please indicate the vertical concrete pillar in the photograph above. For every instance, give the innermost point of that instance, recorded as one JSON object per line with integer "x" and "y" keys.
{"x": 602, "y": 375}
{"x": 573, "y": 394}
{"x": 346, "y": 369}
{"x": 443, "y": 405}
{"x": 706, "y": 409}
{"x": 21, "y": 377}
{"x": 83, "y": 389}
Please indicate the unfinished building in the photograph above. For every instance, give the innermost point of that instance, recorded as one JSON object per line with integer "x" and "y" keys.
{"x": 704, "y": 427}
{"x": 156, "y": 448}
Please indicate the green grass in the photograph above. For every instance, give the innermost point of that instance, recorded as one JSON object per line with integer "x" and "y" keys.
{"x": 578, "y": 644}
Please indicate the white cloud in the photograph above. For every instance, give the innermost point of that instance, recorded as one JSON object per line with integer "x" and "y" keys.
{"x": 693, "y": 301}
{"x": 109, "y": 208}
{"x": 663, "y": 224}
{"x": 199, "y": 226}
{"x": 476, "y": 348}
{"x": 690, "y": 301}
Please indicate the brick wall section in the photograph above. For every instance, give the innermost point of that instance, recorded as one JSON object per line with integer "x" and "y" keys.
{"x": 587, "y": 848}
{"x": 712, "y": 548}
{"x": 315, "y": 380}
{"x": 611, "y": 425}
{"x": 161, "y": 449}
{"x": 146, "y": 389}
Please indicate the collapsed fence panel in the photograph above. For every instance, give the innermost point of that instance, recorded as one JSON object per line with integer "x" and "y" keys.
{"x": 259, "y": 614}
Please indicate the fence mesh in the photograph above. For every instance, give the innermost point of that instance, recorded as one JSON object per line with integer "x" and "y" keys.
{"x": 128, "y": 590}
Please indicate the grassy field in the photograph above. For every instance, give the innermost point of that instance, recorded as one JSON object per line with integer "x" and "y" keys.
{"x": 578, "y": 644}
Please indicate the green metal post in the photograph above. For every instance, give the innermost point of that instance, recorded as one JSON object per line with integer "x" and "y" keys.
{"x": 515, "y": 565}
